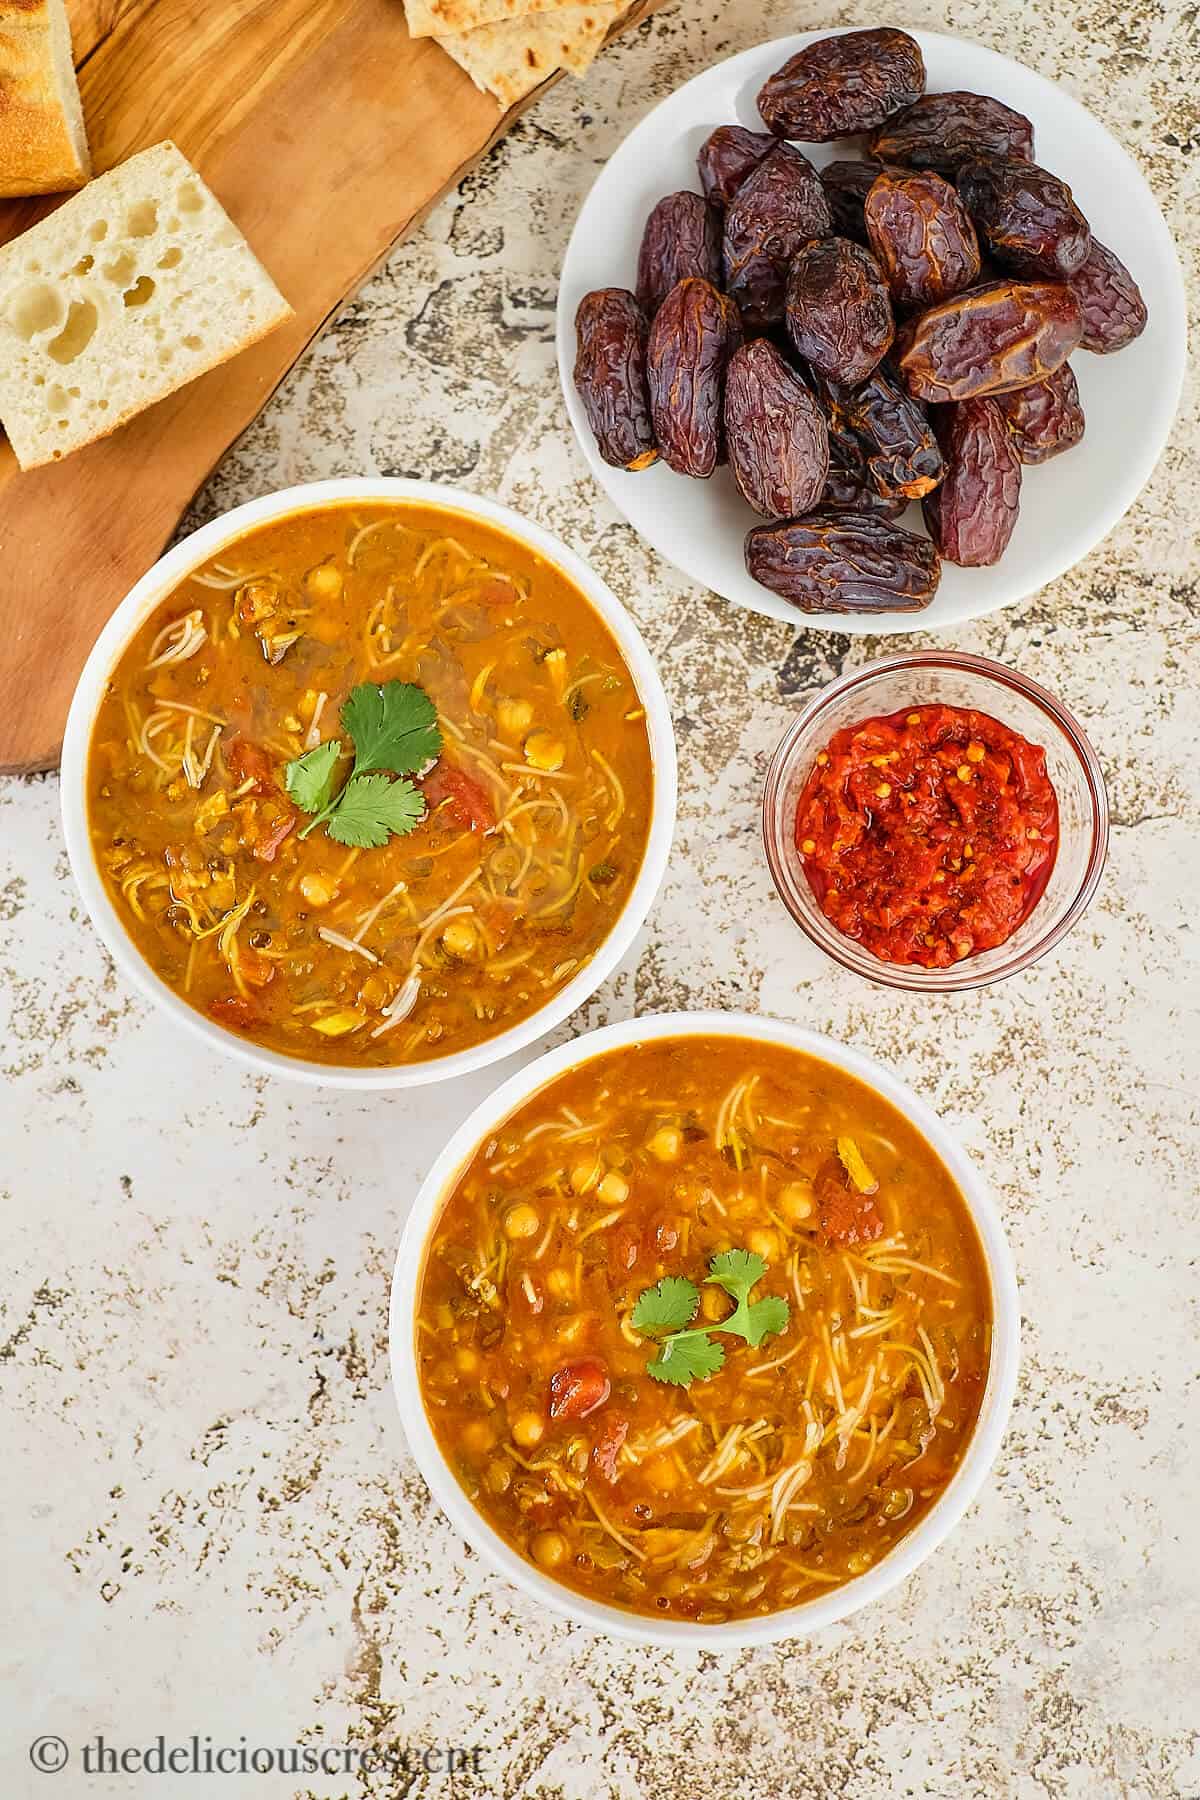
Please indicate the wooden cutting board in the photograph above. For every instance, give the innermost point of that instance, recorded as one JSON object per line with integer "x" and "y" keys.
{"x": 327, "y": 133}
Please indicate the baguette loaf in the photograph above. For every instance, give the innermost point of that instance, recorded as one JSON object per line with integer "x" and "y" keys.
{"x": 132, "y": 288}
{"x": 43, "y": 145}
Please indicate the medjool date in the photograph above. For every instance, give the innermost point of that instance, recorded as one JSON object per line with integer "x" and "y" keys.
{"x": 1027, "y": 216}
{"x": 1044, "y": 418}
{"x": 682, "y": 237}
{"x": 1002, "y": 335}
{"x": 847, "y": 185}
{"x": 1114, "y": 312}
{"x": 695, "y": 331}
{"x": 610, "y": 377}
{"x": 849, "y": 486}
{"x": 971, "y": 516}
{"x": 838, "y": 313}
{"x": 921, "y": 236}
{"x": 727, "y": 156}
{"x": 775, "y": 433}
{"x": 941, "y": 131}
{"x": 838, "y": 562}
{"x": 778, "y": 208}
{"x": 903, "y": 458}
{"x": 843, "y": 85}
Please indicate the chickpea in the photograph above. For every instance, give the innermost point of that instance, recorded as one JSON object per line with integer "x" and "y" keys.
{"x": 662, "y": 1474}
{"x": 375, "y": 992}
{"x": 514, "y": 717}
{"x": 715, "y": 1304}
{"x": 560, "y": 1284}
{"x": 613, "y": 1190}
{"x": 544, "y": 751}
{"x": 796, "y": 1202}
{"x": 764, "y": 1242}
{"x": 317, "y": 890}
{"x": 549, "y": 1549}
{"x": 478, "y": 1436}
{"x": 528, "y": 1430}
{"x": 460, "y": 939}
{"x": 521, "y": 1221}
{"x": 666, "y": 1143}
{"x": 583, "y": 1175}
{"x": 324, "y": 582}
{"x": 498, "y": 1477}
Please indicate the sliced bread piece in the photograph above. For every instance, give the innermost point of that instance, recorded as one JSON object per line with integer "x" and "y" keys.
{"x": 132, "y": 288}
{"x": 43, "y": 145}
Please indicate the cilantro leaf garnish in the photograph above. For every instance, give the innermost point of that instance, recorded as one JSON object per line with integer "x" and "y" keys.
{"x": 394, "y": 728}
{"x": 309, "y": 779}
{"x": 686, "y": 1358}
{"x": 764, "y": 1318}
{"x": 736, "y": 1271}
{"x": 372, "y": 806}
{"x": 666, "y": 1309}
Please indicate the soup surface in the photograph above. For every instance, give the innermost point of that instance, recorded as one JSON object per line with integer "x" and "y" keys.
{"x": 704, "y": 1328}
{"x": 371, "y": 785}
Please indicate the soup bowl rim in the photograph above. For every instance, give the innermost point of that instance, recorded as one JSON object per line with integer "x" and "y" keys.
{"x": 825, "y": 1609}
{"x": 149, "y": 592}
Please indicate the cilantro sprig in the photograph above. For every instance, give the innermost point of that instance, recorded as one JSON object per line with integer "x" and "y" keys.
{"x": 666, "y": 1312}
{"x": 393, "y": 727}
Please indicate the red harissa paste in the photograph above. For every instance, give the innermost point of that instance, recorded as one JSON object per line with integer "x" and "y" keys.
{"x": 929, "y": 834}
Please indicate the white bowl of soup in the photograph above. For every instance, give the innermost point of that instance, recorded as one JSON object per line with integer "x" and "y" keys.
{"x": 704, "y": 1330}
{"x": 369, "y": 783}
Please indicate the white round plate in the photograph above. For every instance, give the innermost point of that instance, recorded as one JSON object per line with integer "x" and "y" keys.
{"x": 1068, "y": 504}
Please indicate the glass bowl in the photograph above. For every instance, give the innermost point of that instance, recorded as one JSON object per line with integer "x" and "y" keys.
{"x": 952, "y": 678}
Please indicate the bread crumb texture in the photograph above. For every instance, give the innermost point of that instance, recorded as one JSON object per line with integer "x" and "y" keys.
{"x": 133, "y": 287}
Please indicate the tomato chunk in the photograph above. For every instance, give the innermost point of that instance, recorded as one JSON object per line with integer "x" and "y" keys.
{"x": 266, "y": 849}
{"x": 250, "y": 762}
{"x": 469, "y": 803}
{"x": 624, "y": 1249}
{"x": 607, "y": 1446}
{"x": 578, "y": 1388}
{"x": 495, "y": 592}
{"x": 255, "y": 969}
{"x": 844, "y": 1216}
{"x": 235, "y": 1011}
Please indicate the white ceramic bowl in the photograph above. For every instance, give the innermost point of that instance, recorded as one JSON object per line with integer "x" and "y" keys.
{"x": 1067, "y": 505}
{"x": 826, "y": 1609}
{"x": 197, "y": 549}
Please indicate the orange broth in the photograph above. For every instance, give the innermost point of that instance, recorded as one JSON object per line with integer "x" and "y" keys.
{"x": 536, "y": 811}
{"x": 802, "y": 1461}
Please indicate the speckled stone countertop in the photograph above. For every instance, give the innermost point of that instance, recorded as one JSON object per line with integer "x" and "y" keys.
{"x": 210, "y": 1522}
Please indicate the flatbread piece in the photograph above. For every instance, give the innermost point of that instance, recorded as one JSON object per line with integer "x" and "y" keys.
{"x": 511, "y": 58}
{"x": 440, "y": 18}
